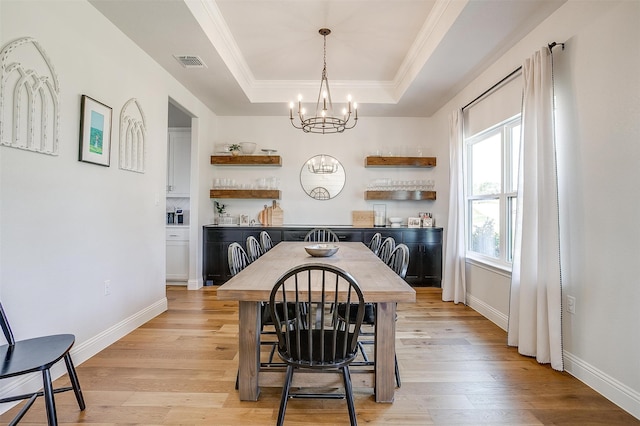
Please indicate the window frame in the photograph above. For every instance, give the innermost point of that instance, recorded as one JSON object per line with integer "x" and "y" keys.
{"x": 506, "y": 196}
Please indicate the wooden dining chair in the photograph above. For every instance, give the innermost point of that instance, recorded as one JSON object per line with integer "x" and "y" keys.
{"x": 35, "y": 355}
{"x": 374, "y": 244}
{"x": 238, "y": 259}
{"x": 265, "y": 241}
{"x": 254, "y": 249}
{"x": 321, "y": 235}
{"x": 313, "y": 338}
{"x": 386, "y": 248}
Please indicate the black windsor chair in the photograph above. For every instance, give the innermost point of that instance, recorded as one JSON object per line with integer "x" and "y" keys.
{"x": 386, "y": 248}
{"x": 321, "y": 235}
{"x": 265, "y": 241}
{"x": 375, "y": 243}
{"x": 399, "y": 260}
{"x": 254, "y": 250}
{"x": 314, "y": 338}
{"x": 238, "y": 259}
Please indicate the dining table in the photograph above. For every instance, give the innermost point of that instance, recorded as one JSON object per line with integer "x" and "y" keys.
{"x": 252, "y": 287}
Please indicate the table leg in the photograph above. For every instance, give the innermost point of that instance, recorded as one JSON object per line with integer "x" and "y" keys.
{"x": 385, "y": 348}
{"x": 249, "y": 351}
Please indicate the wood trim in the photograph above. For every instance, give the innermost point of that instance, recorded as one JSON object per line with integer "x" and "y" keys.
{"x": 400, "y": 195}
{"x": 246, "y": 160}
{"x": 375, "y": 161}
{"x": 273, "y": 194}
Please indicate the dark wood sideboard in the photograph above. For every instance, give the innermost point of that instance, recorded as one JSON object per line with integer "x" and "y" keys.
{"x": 425, "y": 247}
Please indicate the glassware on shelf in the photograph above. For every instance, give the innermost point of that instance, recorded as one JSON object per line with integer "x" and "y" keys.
{"x": 386, "y": 184}
{"x": 260, "y": 183}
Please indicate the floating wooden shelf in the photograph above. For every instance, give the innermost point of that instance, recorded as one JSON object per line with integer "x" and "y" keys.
{"x": 400, "y": 195}
{"x": 400, "y": 161}
{"x": 272, "y": 194}
{"x": 246, "y": 160}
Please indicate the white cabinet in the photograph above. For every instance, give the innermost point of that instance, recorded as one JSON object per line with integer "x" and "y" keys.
{"x": 178, "y": 162}
{"x": 177, "y": 253}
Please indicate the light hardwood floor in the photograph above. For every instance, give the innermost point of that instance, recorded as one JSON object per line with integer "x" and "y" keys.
{"x": 180, "y": 369}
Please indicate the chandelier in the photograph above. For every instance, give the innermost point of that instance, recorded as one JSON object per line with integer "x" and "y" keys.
{"x": 322, "y": 167}
{"x": 324, "y": 120}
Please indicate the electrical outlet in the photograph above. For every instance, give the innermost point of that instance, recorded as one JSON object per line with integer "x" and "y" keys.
{"x": 107, "y": 287}
{"x": 571, "y": 304}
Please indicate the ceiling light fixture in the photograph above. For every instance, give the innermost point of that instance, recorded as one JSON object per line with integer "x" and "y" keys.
{"x": 324, "y": 121}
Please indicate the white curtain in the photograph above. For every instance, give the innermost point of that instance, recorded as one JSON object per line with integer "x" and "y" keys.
{"x": 454, "y": 286}
{"x": 535, "y": 301}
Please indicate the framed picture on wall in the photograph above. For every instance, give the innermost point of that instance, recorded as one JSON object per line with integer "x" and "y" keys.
{"x": 244, "y": 220}
{"x": 95, "y": 132}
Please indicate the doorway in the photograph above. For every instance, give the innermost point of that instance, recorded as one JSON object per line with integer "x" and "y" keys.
{"x": 178, "y": 195}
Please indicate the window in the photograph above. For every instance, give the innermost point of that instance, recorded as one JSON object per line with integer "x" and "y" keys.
{"x": 492, "y": 174}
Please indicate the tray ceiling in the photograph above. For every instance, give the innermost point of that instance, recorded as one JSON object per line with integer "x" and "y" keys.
{"x": 395, "y": 57}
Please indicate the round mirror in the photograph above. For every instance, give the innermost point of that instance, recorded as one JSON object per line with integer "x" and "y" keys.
{"x": 322, "y": 177}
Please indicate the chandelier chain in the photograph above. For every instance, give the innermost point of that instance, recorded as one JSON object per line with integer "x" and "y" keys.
{"x": 324, "y": 69}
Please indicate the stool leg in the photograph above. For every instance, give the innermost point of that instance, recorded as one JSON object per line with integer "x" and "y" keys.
{"x": 50, "y": 404}
{"x": 74, "y": 381}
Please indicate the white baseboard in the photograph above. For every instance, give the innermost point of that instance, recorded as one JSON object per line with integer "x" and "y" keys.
{"x": 81, "y": 352}
{"x": 612, "y": 389}
{"x": 615, "y": 391}
{"x": 488, "y": 311}
{"x": 194, "y": 285}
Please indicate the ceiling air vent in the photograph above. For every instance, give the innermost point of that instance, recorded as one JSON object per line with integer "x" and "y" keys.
{"x": 190, "y": 61}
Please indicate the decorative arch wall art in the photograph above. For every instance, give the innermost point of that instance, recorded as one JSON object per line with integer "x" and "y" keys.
{"x": 133, "y": 134}
{"x": 29, "y": 98}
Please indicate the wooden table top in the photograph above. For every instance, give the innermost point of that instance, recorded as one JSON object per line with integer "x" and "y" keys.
{"x": 378, "y": 282}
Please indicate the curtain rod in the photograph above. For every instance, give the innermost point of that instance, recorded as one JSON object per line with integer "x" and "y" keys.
{"x": 481, "y": 95}
{"x": 511, "y": 74}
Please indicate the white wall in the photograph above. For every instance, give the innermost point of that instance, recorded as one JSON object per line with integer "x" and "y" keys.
{"x": 350, "y": 148}
{"x": 598, "y": 94}
{"x": 67, "y": 226}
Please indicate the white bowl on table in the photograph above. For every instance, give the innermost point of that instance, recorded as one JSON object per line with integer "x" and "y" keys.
{"x": 321, "y": 250}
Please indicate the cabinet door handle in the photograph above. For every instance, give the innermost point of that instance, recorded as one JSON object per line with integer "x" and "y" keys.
{"x": 173, "y": 235}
